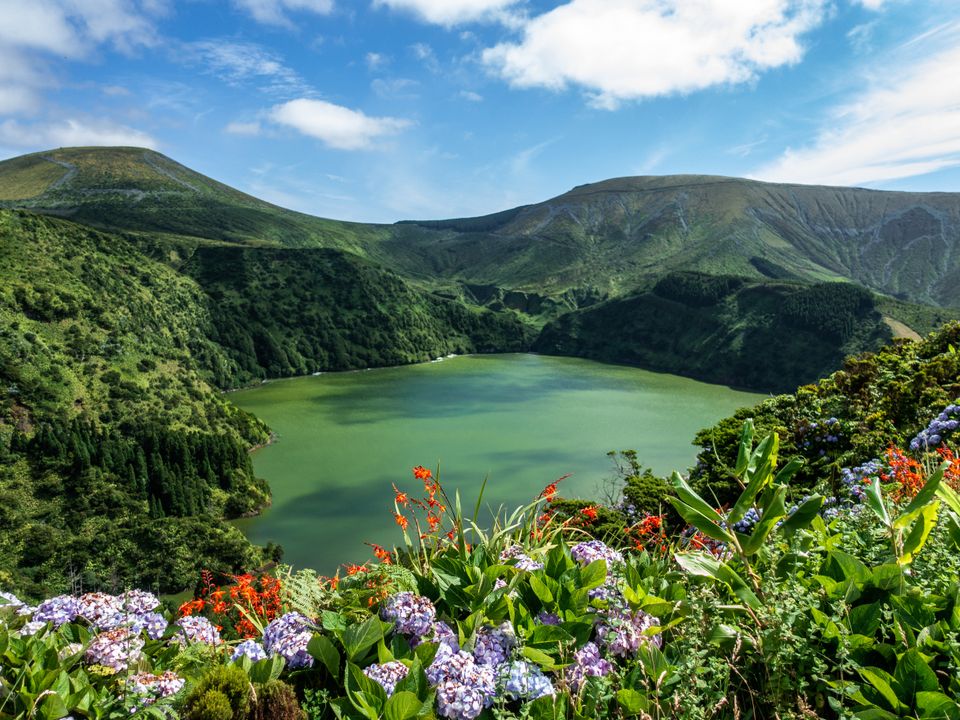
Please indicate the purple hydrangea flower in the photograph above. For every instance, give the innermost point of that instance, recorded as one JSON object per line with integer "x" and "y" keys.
{"x": 32, "y": 628}
{"x": 522, "y": 560}
{"x": 440, "y": 633}
{"x": 140, "y": 602}
{"x": 524, "y": 681}
{"x": 99, "y": 609}
{"x": 593, "y": 550}
{"x": 10, "y": 600}
{"x": 941, "y": 427}
{"x": 249, "y": 648}
{"x": 195, "y": 628}
{"x": 288, "y": 636}
{"x": 493, "y": 644}
{"x": 115, "y": 649}
{"x": 464, "y": 687}
{"x": 411, "y": 614}
{"x": 387, "y": 674}
{"x": 546, "y": 618}
{"x": 587, "y": 663}
{"x": 57, "y": 610}
{"x": 621, "y": 631}
{"x": 148, "y": 688}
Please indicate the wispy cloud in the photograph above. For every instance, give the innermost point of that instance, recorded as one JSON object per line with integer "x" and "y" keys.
{"x": 454, "y": 12}
{"x": 277, "y": 12}
{"x": 905, "y": 122}
{"x": 240, "y": 64}
{"x": 619, "y": 50}
{"x": 336, "y": 126}
{"x": 471, "y": 96}
{"x": 71, "y": 132}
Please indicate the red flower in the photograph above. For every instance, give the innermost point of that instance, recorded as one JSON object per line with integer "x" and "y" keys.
{"x": 401, "y": 520}
{"x": 401, "y": 497}
{"x": 422, "y": 473}
{"x": 590, "y": 513}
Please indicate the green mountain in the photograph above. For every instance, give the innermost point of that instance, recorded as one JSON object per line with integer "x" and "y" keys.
{"x": 133, "y": 290}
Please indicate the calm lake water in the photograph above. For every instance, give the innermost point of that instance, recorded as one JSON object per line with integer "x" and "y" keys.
{"x": 521, "y": 420}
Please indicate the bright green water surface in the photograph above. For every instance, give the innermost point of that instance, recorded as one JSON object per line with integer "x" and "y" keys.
{"x": 523, "y": 420}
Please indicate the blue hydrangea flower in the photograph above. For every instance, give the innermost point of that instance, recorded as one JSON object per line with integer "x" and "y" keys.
{"x": 587, "y": 663}
{"x": 493, "y": 644}
{"x": 546, "y": 618}
{"x": 522, "y": 561}
{"x": 147, "y": 688}
{"x": 387, "y": 674}
{"x": 939, "y": 429}
{"x": 593, "y": 550}
{"x": 58, "y": 610}
{"x": 288, "y": 636}
{"x": 411, "y": 614}
{"x": 249, "y": 648}
{"x": 195, "y": 628}
{"x": 464, "y": 687}
{"x": 115, "y": 649}
{"x": 621, "y": 631}
{"x": 521, "y": 680}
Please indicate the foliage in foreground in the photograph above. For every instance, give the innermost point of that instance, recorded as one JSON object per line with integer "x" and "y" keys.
{"x": 775, "y": 606}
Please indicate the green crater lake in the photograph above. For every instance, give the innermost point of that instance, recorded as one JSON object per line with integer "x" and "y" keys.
{"x": 522, "y": 420}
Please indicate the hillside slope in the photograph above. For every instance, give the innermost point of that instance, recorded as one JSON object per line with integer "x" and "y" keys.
{"x": 621, "y": 234}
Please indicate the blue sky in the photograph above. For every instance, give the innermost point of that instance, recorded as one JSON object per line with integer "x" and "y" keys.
{"x": 379, "y": 110}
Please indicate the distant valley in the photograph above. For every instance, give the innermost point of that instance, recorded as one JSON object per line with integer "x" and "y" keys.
{"x": 134, "y": 289}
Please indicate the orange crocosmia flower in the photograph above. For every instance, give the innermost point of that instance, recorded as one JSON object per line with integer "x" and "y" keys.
{"x": 381, "y": 554}
{"x": 355, "y": 569}
{"x": 401, "y": 520}
{"x": 450, "y": 535}
{"x": 590, "y": 513}
{"x": 549, "y": 492}
{"x": 422, "y": 473}
{"x": 401, "y": 498}
{"x": 434, "y": 522}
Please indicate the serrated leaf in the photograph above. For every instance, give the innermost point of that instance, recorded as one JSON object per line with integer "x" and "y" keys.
{"x": 402, "y": 705}
{"x": 321, "y": 648}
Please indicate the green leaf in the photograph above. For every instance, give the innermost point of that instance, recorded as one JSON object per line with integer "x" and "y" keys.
{"x": 701, "y": 522}
{"x": 881, "y": 681}
{"x": 263, "y": 671}
{"x": 539, "y": 657}
{"x": 541, "y": 590}
{"x": 773, "y": 511}
{"x": 549, "y": 636}
{"x": 632, "y": 702}
{"x": 704, "y": 565}
{"x": 804, "y": 515}
{"x": 873, "y": 496}
{"x": 593, "y": 575}
{"x": 689, "y": 497}
{"x": 52, "y": 708}
{"x": 359, "y": 638}
{"x": 913, "y": 675}
{"x": 921, "y": 530}
{"x": 927, "y": 492}
{"x": 321, "y": 648}
{"x": 932, "y": 705}
{"x": 402, "y": 705}
{"x": 950, "y": 496}
{"x": 746, "y": 445}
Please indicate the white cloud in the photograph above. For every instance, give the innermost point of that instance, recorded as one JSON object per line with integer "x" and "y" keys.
{"x": 335, "y": 125}
{"x": 452, "y": 12}
{"x": 35, "y": 33}
{"x": 471, "y": 96}
{"x": 631, "y": 49}
{"x": 906, "y": 122}
{"x": 375, "y": 60}
{"x": 238, "y": 63}
{"x": 244, "y": 128}
{"x": 71, "y": 132}
{"x": 275, "y": 12}
{"x": 872, "y": 4}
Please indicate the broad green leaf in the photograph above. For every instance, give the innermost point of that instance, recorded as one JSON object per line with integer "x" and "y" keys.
{"x": 263, "y": 671}
{"x": 593, "y": 575}
{"x": 950, "y": 496}
{"x": 403, "y": 705}
{"x": 882, "y": 682}
{"x": 632, "y": 702}
{"x": 706, "y": 566}
{"x": 359, "y": 638}
{"x": 321, "y": 648}
{"x": 919, "y": 533}
{"x": 701, "y": 522}
{"x": 746, "y": 445}
{"x": 539, "y": 657}
{"x": 802, "y": 517}
{"x": 913, "y": 675}
{"x": 927, "y": 492}
{"x": 788, "y": 471}
{"x": 689, "y": 497}
{"x": 931, "y": 705}
{"x": 953, "y": 527}
{"x": 873, "y": 496}
{"x": 773, "y": 511}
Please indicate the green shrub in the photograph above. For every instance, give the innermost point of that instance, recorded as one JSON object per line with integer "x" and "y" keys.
{"x": 275, "y": 700}
{"x": 225, "y": 687}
